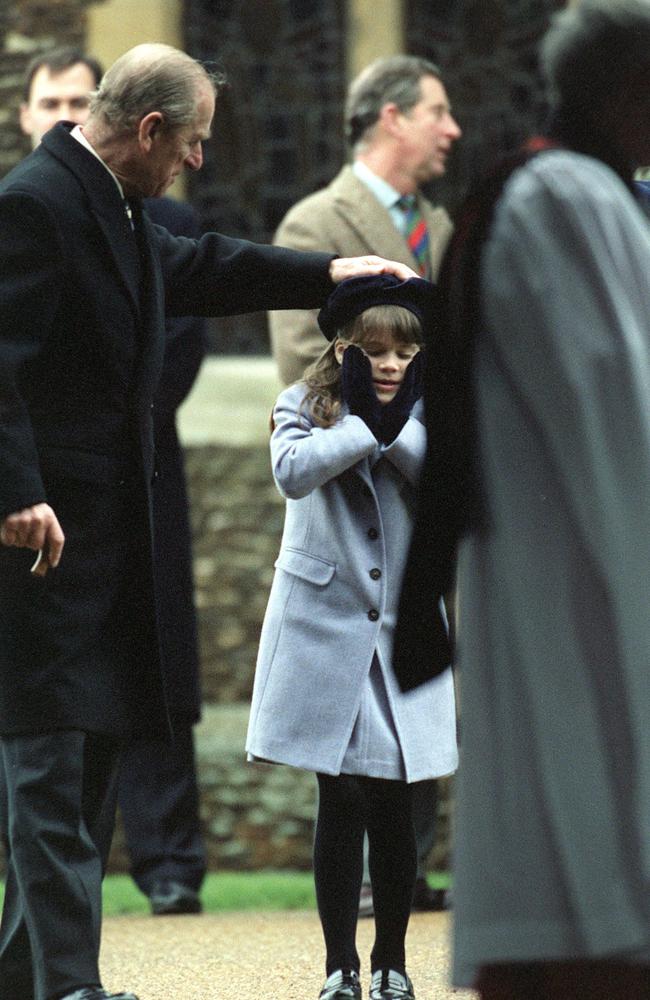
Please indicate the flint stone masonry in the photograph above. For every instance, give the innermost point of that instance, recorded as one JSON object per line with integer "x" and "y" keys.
{"x": 253, "y": 815}
{"x": 237, "y": 517}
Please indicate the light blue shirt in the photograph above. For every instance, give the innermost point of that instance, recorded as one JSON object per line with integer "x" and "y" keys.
{"x": 384, "y": 192}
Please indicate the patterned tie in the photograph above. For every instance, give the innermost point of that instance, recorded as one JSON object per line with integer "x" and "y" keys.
{"x": 415, "y": 232}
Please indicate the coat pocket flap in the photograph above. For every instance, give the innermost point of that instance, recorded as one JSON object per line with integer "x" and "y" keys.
{"x": 307, "y": 567}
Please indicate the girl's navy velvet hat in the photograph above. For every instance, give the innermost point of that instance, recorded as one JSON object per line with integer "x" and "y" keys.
{"x": 356, "y": 295}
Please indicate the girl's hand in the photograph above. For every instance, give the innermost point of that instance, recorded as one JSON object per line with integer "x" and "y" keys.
{"x": 395, "y": 414}
{"x": 357, "y": 388}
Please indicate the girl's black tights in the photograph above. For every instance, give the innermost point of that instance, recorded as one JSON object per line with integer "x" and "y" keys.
{"x": 347, "y": 806}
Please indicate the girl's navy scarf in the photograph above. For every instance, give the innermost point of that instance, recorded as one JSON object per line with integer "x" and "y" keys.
{"x": 450, "y": 496}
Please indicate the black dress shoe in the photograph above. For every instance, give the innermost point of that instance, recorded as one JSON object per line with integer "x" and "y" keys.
{"x": 426, "y": 899}
{"x": 173, "y": 897}
{"x": 341, "y": 985}
{"x": 386, "y": 984}
{"x": 97, "y": 993}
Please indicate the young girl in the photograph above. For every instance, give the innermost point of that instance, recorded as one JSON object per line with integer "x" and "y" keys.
{"x": 346, "y": 449}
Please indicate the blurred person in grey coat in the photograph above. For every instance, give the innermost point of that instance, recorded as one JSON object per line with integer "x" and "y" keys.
{"x": 539, "y": 391}
{"x": 158, "y": 792}
{"x": 346, "y": 450}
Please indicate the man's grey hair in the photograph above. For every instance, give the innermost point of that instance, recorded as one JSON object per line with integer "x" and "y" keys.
{"x": 152, "y": 77}
{"x": 395, "y": 79}
{"x": 595, "y": 48}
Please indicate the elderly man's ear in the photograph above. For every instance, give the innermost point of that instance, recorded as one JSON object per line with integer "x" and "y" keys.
{"x": 149, "y": 127}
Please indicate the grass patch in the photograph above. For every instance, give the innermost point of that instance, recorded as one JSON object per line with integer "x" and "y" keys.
{"x": 228, "y": 891}
{"x": 223, "y": 892}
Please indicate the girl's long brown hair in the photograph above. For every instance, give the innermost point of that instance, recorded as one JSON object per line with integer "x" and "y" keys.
{"x": 323, "y": 377}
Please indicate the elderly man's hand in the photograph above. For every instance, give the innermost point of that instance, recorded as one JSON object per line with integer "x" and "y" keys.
{"x": 352, "y": 267}
{"x": 35, "y": 528}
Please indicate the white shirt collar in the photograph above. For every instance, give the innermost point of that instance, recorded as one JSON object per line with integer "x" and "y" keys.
{"x": 384, "y": 192}
{"x": 77, "y": 134}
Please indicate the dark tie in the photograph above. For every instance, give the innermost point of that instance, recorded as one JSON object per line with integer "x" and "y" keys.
{"x": 415, "y": 232}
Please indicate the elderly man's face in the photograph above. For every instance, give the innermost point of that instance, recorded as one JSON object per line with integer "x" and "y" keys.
{"x": 54, "y": 97}
{"x": 171, "y": 151}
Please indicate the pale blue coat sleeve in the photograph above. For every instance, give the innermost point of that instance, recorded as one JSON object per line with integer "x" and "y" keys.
{"x": 304, "y": 456}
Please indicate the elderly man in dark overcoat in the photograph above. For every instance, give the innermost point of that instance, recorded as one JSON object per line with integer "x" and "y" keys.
{"x": 85, "y": 282}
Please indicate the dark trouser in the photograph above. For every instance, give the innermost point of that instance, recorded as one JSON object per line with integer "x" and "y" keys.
{"x": 61, "y": 792}
{"x": 159, "y": 803}
{"x": 347, "y": 806}
{"x": 566, "y": 980}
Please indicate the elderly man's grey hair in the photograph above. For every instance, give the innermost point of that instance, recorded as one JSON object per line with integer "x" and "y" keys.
{"x": 152, "y": 77}
{"x": 595, "y": 48}
{"x": 395, "y": 79}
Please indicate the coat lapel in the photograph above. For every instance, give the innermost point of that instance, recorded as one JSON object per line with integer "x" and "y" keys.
{"x": 439, "y": 227}
{"x": 360, "y": 209}
{"x": 375, "y": 228}
{"x": 105, "y": 204}
{"x": 131, "y": 253}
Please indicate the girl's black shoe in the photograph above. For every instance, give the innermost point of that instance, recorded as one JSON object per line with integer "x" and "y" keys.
{"x": 341, "y": 985}
{"x": 386, "y": 984}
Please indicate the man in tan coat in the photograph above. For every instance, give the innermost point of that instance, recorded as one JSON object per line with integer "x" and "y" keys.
{"x": 400, "y": 129}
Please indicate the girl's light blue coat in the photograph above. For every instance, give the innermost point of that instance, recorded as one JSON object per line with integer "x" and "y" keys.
{"x": 334, "y": 597}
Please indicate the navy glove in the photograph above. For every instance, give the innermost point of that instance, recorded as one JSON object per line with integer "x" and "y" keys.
{"x": 395, "y": 414}
{"x": 357, "y": 388}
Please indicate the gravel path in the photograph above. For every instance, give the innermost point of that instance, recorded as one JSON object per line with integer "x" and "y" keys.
{"x": 254, "y": 956}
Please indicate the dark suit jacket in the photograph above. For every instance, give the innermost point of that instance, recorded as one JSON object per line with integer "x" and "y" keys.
{"x": 184, "y": 351}
{"x": 82, "y": 306}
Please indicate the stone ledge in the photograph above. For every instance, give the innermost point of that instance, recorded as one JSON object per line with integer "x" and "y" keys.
{"x": 230, "y": 403}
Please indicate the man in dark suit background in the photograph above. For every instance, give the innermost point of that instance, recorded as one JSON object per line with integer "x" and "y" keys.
{"x": 57, "y": 87}
{"x": 158, "y": 793}
{"x": 85, "y": 282}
